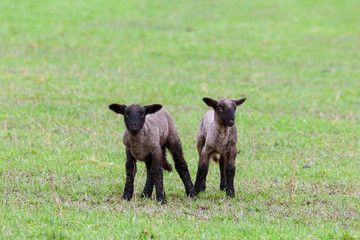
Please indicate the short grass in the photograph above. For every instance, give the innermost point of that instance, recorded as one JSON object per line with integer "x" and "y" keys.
{"x": 61, "y": 156}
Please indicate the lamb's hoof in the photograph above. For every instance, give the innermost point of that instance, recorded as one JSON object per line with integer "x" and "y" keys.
{"x": 188, "y": 190}
{"x": 126, "y": 196}
{"x": 203, "y": 188}
{"x": 194, "y": 193}
{"x": 222, "y": 187}
{"x": 145, "y": 195}
{"x": 162, "y": 201}
{"x": 230, "y": 193}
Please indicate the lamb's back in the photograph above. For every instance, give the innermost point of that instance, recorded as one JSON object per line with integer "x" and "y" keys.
{"x": 159, "y": 126}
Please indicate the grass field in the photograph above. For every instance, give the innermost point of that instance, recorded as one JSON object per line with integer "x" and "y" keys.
{"x": 61, "y": 154}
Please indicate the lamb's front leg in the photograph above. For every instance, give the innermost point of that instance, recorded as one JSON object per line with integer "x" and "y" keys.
{"x": 230, "y": 173}
{"x": 203, "y": 169}
{"x": 222, "y": 173}
{"x": 157, "y": 174}
{"x": 149, "y": 185}
{"x": 130, "y": 176}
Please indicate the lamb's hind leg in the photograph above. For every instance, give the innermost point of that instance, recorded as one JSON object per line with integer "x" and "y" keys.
{"x": 203, "y": 186}
{"x": 149, "y": 185}
{"x": 174, "y": 145}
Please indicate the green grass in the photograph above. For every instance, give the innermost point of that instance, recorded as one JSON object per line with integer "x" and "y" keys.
{"x": 61, "y": 156}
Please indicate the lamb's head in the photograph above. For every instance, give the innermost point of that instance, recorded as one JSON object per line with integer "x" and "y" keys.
{"x": 134, "y": 115}
{"x": 224, "y": 109}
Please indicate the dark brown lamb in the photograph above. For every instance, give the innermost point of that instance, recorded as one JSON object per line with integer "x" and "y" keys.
{"x": 149, "y": 131}
{"x": 217, "y": 135}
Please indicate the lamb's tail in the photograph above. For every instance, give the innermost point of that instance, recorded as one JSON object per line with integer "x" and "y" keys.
{"x": 215, "y": 157}
{"x": 166, "y": 165}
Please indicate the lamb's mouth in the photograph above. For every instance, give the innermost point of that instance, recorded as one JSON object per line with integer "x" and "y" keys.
{"x": 134, "y": 131}
{"x": 230, "y": 123}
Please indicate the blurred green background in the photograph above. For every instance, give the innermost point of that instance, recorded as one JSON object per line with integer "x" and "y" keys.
{"x": 61, "y": 156}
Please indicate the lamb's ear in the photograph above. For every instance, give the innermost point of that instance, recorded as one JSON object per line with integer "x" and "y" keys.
{"x": 118, "y": 108}
{"x": 153, "y": 108}
{"x": 239, "y": 101}
{"x": 210, "y": 102}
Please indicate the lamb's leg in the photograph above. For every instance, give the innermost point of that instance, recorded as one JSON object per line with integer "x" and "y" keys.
{"x": 222, "y": 165}
{"x": 156, "y": 172}
{"x": 203, "y": 186}
{"x": 230, "y": 173}
{"x": 130, "y": 176}
{"x": 181, "y": 167}
{"x": 149, "y": 185}
{"x": 200, "y": 142}
{"x": 203, "y": 169}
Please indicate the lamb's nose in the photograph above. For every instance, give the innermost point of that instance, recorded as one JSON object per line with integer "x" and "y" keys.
{"x": 133, "y": 125}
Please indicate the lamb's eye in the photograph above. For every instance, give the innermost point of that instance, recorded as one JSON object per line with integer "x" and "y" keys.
{"x": 220, "y": 109}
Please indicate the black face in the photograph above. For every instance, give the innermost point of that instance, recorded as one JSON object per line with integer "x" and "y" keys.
{"x": 134, "y": 115}
{"x": 224, "y": 110}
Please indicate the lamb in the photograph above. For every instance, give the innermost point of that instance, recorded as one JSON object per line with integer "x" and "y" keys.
{"x": 149, "y": 131}
{"x": 217, "y": 135}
